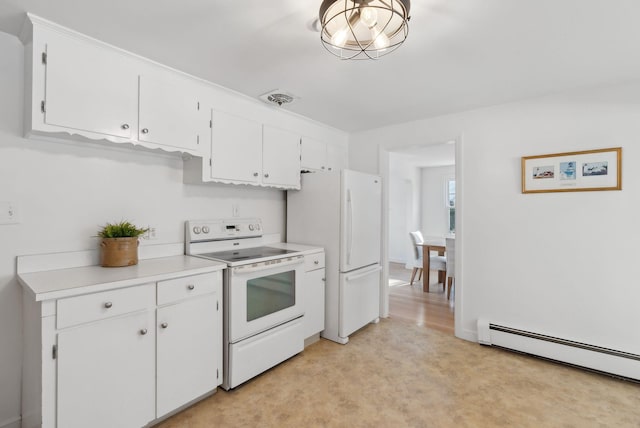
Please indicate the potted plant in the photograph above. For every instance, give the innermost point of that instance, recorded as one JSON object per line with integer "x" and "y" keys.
{"x": 119, "y": 246}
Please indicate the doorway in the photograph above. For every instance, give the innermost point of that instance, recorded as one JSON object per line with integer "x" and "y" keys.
{"x": 419, "y": 194}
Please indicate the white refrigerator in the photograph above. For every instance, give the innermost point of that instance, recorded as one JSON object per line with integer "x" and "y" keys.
{"x": 341, "y": 211}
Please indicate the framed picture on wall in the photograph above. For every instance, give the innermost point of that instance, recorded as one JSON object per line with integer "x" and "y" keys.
{"x": 573, "y": 171}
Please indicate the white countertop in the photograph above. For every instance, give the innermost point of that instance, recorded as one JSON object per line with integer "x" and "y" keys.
{"x": 54, "y": 284}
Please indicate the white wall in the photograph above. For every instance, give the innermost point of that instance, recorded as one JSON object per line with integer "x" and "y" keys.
{"x": 564, "y": 264}
{"x": 65, "y": 191}
{"x": 404, "y": 206}
{"x": 435, "y": 214}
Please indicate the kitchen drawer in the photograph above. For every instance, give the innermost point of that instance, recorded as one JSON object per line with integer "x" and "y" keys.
{"x": 188, "y": 286}
{"x": 96, "y": 306}
{"x": 313, "y": 261}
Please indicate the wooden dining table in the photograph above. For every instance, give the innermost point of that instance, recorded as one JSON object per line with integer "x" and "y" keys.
{"x": 438, "y": 245}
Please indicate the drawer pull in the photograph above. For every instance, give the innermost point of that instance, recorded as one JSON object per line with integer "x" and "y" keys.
{"x": 191, "y": 286}
{"x": 108, "y": 305}
{"x": 143, "y": 331}
{"x": 164, "y": 325}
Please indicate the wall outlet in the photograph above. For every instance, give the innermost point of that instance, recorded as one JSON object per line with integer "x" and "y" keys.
{"x": 235, "y": 210}
{"x": 9, "y": 213}
{"x": 151, "y": 234}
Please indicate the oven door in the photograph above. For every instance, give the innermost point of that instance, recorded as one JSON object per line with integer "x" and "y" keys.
{"x": 264, "y": 295}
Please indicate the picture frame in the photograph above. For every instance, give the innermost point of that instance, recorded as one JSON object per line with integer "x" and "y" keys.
{"x": 583, "y": 171}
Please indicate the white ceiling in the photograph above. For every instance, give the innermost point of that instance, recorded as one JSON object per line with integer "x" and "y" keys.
{"x": 460, "y": 54}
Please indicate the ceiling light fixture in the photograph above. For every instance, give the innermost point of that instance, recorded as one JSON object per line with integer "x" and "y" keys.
{"x": 363, "y": 29}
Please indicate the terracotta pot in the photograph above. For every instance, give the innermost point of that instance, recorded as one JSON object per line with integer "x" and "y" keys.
{"x": 117, "y": 252}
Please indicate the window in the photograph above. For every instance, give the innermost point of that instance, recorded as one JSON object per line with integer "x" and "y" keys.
{"x": 450, "y": 192}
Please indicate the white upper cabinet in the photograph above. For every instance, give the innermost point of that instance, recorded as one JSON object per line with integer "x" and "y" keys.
{"x": 336, "y": 157}
{"x": 244, "y": 151}
{"x": 170, "y": 112}
{"x": 236, "y": 149}
{"x": 314, "y": 154}
{"x": 317, "y": 155}
{"x": 89, "y": 88}
{"x": 83, "y": 89}
{"x": 280, "y": 157}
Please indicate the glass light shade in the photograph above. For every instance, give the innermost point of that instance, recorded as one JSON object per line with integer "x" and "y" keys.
{"x": 363, "y": 29}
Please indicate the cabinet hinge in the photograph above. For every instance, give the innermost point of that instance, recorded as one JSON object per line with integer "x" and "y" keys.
{"x": 44, "y": 57}
{"x": 54, "y": 352}
{"x": 217, "y": 305}
{"x": 211, "y": 124}
{"x": 43, "y": 107}
{"x": 198, "y": 105}
{"x": 210, "y": 162}
{"x": 198, "y": 139}
{"x": 217, "y": 374}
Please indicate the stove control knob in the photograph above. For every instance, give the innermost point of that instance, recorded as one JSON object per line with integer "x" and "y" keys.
{"x": 250, "y": 227}
{"x": 205, "y": 229}
{"x": 196, "y": 229}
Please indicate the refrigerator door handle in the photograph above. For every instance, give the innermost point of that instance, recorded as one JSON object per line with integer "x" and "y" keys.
{"x": 350, "y": 226}
{"x": 369, "y": 272}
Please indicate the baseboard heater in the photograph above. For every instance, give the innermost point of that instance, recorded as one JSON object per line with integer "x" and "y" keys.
{"x": 597, "y": 358}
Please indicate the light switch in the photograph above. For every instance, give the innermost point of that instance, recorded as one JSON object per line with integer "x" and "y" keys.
{"x": 8, "y": 213}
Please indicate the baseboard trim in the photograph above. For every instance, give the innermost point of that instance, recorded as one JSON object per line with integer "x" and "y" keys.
{"x": 11, "y": 422}
{"x": 470, "y": 335}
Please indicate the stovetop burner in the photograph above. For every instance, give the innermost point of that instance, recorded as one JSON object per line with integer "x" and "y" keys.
{"x": 245, "y": 254}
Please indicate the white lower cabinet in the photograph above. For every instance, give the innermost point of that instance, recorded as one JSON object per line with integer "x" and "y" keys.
{"x": 188, "y": 358}
{"x": 106, "y": 373}
{"x": 314, "y": 285}
{"x": 124, "y": 357}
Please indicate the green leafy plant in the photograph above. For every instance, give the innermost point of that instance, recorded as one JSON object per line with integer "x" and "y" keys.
{"x": 124, "y": 229}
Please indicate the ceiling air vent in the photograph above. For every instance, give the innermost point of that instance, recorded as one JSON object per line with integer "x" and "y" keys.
{"x": 278, "y": 97}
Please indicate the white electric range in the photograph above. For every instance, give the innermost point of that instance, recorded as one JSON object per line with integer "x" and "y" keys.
{"x": 263, "y": 301}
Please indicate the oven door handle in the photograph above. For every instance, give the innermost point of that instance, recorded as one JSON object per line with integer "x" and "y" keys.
{"x": 270, "y": 264}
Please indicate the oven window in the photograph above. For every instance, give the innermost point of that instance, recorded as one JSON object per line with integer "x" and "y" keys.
{"x": 269, "y": 294}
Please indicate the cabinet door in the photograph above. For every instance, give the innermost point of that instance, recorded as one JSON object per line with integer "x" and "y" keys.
{"x": 280, "y": 157}
{"x": 170, "y": 112}
{"x": 314, "y": 302}
{"x": 336, "y": 157}
{"x": 90, "y": 88}
{"x": 313, "y": 154}
{"x": 236, "y": 148}
{"x": 106, "y": 373}
{"x": 189, "y": 341}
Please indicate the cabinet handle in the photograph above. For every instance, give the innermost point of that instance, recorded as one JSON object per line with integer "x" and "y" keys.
{"x": 255, "y": 174}
{"x": 125, "y": 126}
{"x": 323, "y": 279}
{"x": 316, "y": 262}
{"x": 266, "y": 176}
{"x": 191, "y": 286}
{"x": 322, "y": 167}
{"x": 145, "y": 130}
{"x": 329, "y": 168}
{"x": 164, "y": 325}
{"x": 108, "y": 305}
{"x": 143, "y": 331}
